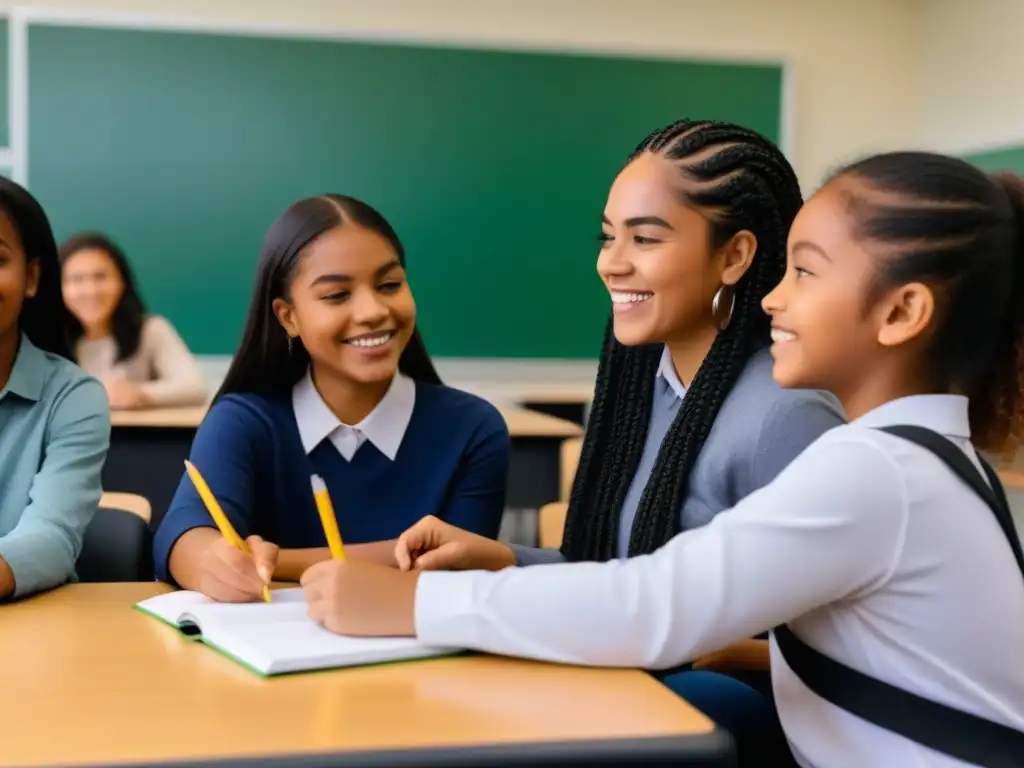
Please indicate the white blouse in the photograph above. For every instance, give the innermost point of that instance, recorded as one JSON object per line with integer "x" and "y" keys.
{"x": 866, "y": 544}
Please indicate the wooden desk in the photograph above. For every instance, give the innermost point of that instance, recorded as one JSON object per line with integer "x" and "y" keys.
{"x": 89, "y": 681}
{"x": 148, "y": 448}
{"x": 521, "y": 422}
{"x": 557, "y": 387}
{"x": 568, "y": 400}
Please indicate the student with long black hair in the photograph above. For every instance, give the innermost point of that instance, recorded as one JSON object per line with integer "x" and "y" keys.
{"x": 54, "y": 419}
{"x": 331, "y": 378}
{"x": 883, "y": 558}
{"x": 139, "y": 357}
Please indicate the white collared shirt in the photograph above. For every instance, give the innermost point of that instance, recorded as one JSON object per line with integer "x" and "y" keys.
{"x": 866, "y": 544}
{"x": 385, "y": 426}
{"x": 667, "y": 372}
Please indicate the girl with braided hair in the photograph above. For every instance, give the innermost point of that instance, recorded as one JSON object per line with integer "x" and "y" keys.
{"x": 686, "y": 419}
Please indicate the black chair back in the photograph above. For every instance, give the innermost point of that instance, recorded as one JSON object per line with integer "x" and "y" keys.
{"x": 117, "y": 547}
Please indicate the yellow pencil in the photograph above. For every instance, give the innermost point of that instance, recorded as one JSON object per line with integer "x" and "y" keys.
{"x": 327, "y": 518}
{"x": 213, "y": 507}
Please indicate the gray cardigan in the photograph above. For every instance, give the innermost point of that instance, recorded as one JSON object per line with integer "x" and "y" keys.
{"x": 760, "y": 428}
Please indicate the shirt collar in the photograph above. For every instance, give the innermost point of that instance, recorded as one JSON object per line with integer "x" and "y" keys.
{"x": 667, "y": 374}
{"x": 29, "y": 372}
{"x": 945, "y": 414}
{"x": 385, "y": 426}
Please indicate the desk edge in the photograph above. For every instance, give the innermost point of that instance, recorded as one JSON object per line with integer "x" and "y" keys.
{"x": 713, "y": 747}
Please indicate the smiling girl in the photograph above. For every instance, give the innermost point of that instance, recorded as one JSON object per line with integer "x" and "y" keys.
{"x": 885, "y": 549}
{"x": 331, "y": 378}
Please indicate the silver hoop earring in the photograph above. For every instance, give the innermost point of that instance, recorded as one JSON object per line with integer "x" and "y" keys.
{"x": 716, "y": 303}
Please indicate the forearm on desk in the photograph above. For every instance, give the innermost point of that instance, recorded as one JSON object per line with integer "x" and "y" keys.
{"x": 183, "y": 564}
{"x": 173, "y": 393}
{"x": 292, "y": 563}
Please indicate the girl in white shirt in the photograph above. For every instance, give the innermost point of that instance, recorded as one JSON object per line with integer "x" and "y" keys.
{"x": 139, "y": 357}
{"x": 903, "y": 296}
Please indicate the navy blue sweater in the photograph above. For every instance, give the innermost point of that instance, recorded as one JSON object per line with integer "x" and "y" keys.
{"x": 453, "y": 463}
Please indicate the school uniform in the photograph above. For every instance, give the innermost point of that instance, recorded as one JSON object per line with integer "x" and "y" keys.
{"x": 866, "y": 545}
{"x": 54, "y": 435}
{"x": 759, "y": 429}
{"x": 424, "y": 450}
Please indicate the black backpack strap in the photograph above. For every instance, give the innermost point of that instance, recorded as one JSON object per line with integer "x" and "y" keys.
{"x": 991, "y": 492}
{"x": 950, "y": 731}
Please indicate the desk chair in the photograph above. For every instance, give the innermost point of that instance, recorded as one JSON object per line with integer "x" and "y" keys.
{"x": 118, "y": 543}
{"x": 569, "y": 459}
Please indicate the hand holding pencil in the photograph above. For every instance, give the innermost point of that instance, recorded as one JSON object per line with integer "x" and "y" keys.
{"x": 356, "y": 597}
{"x": 233, "y": 570}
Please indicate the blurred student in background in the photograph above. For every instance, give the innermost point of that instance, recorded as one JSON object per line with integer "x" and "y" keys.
{"x": 139, "y": 357}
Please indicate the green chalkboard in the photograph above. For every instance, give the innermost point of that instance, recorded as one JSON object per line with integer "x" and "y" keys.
{"x": 1005, "y": 159}
{"x": 492, "y": 166}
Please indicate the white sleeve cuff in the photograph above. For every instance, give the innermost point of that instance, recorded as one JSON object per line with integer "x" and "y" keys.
{"x": 444, "y": 612}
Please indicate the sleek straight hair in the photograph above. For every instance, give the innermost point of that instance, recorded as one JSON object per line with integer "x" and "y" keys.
{"x": 265, "y": 363}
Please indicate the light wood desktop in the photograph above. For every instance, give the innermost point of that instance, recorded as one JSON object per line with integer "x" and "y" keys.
{"x": 521, "y": 421}
{"x": 524, "y": 380}
{"x": 89, "y": 680}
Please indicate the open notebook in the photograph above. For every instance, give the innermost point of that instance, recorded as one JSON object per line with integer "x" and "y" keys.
{"x": 277, "y": 637}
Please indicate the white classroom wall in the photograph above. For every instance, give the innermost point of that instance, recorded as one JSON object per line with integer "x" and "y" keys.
{"x": 972, "y": 68}
{"x": 852, "y": 63}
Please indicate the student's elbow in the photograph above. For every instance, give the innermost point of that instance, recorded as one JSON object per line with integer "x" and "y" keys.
{"x": 172, "y": 536}
{"x": 43, "y": 548}
{"x": 42, "y": 553}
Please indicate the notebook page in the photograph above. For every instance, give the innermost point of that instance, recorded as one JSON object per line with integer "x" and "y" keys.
{"x": 171, "y": 606}
{"x": 174, "y": 607}
{"x": 284, "y": 605}
{"x": 300, "y": 644}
